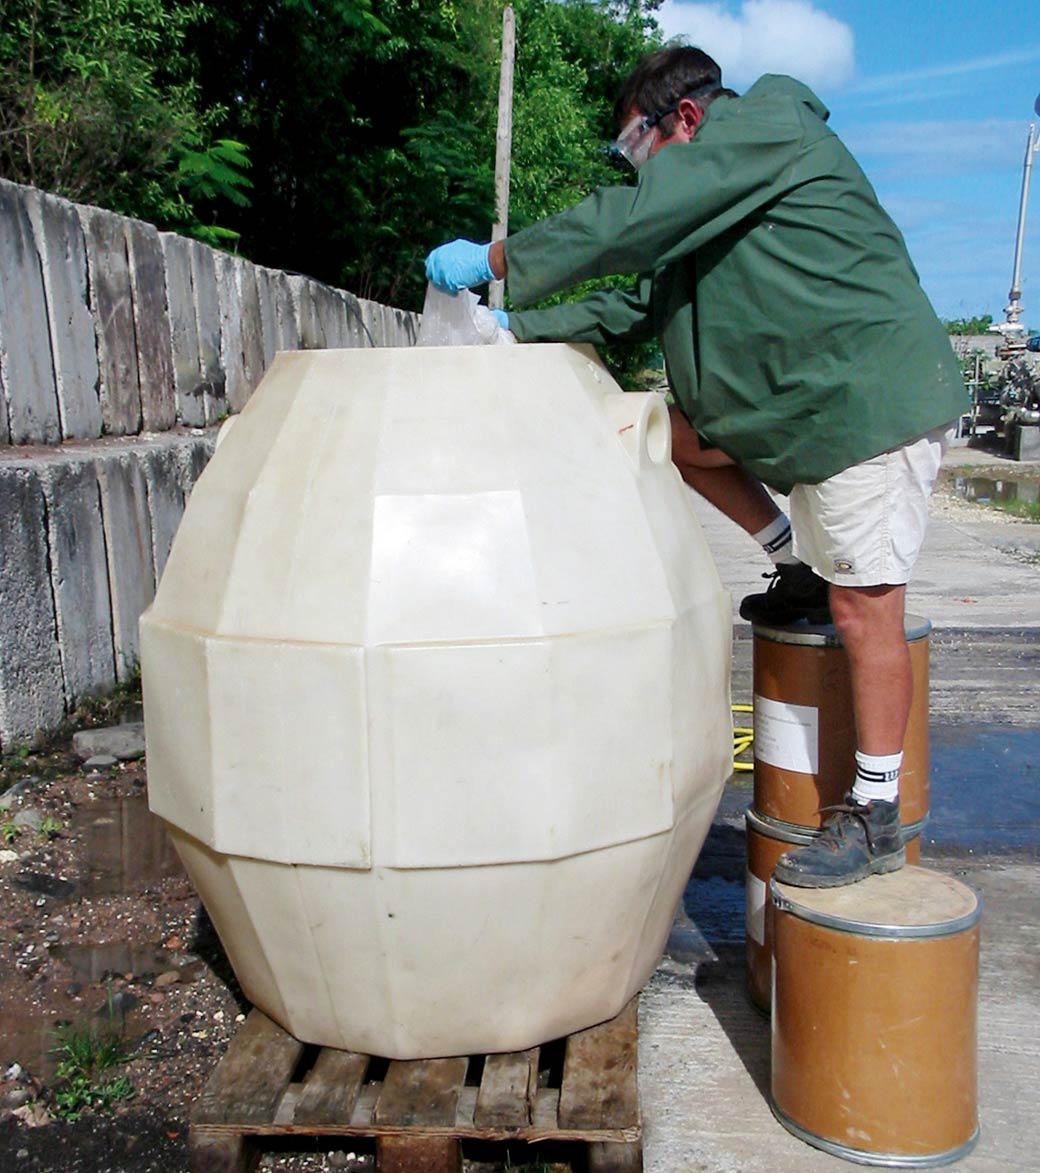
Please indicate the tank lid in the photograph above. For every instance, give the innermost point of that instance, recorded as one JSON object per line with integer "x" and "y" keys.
{"x": 825, "y": 635}
{"x": 913, "y": 902}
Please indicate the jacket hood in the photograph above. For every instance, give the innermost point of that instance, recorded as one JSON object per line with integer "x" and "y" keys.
{"x": 775, "y": 84}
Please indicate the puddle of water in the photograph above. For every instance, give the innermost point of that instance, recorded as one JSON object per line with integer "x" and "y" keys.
{"x": 95, "y": 963}
{"x": 125, "y": 847}
{"x": 29, "y": 1038}
{"x": 987, "y": 489}
{"x": 984, "y": 788}
{"x": 717, "y": 907}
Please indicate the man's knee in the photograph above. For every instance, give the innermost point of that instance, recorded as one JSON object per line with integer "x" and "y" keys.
{"x": 867, "y": 613}
{"x": 687, "y": 451}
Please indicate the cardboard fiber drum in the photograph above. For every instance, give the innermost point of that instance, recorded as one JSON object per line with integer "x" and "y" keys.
{"x": 874, "y": 1048}
{"x": 767, "y": 840}
{"x": 805, "y": 734}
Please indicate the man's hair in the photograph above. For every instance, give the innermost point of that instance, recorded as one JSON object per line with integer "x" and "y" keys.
{"x": 662, "y": 78}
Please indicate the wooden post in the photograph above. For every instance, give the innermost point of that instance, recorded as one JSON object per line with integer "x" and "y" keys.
{"x": 503, "y": 145}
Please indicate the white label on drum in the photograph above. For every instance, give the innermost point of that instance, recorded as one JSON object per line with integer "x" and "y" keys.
{"x": 787, "y": 736}
{"x": 756, "y": 909}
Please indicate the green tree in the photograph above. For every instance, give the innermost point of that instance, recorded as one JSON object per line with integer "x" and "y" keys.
{"x": 977, "y": 325}
{"x": 371, "y": 125}
{"x": 99, "y": 103}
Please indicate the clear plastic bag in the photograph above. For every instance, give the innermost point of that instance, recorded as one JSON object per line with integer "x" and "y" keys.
{"x": 458, "y": 319}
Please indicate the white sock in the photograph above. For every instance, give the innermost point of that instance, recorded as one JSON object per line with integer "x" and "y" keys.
{"x": 775, "y": 539}
{"x": 877, "y": 777}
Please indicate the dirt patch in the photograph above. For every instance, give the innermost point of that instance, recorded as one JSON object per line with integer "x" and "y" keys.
{"x": 101, "y": 932}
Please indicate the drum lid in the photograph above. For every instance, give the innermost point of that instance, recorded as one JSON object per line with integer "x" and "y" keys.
{"x": 913, "y": 902}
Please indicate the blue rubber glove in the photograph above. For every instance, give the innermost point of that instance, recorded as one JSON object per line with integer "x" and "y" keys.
{"x": 501, "y": 317}
{"x": 459, "y": 265}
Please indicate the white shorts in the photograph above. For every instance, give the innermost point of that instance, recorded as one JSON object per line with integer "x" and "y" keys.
{"x": 865, "y": 526}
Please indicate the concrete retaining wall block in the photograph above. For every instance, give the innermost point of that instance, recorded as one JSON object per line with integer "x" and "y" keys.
{"x": 231, "y": 360}
{"x": 152, "y": 326}
{"x": 253, "y": 365}
{"x": 163, "y": 478}
{"x": 288, "y": 333}
{"x": 128, "y": 543}
{"x": 268, "y": 313}
{"x": 25, "y": 342}
{"x": 79, "y": 577}
{"x": 63, "y": 252}
{"x": 184, "y": 330}
{"x": 111, "y": 303}
{"x": 207, "y": 318}
{"x": 32, "y": 693}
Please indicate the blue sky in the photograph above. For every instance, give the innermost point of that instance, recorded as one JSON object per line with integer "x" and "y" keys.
{"x": 934, "y": 99}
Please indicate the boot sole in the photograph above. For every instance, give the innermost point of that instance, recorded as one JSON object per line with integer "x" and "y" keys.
{"x": 816, "y": 618}
{"x": 875, "y": 867}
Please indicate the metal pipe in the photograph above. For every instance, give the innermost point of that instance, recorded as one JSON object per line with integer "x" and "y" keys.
{"x": 1014, "y": 309}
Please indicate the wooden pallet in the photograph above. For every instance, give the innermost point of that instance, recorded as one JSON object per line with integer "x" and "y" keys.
{"x": 269, "y": 1084}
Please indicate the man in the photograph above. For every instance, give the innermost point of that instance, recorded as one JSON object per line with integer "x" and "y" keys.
{"x": 801, "y": 352}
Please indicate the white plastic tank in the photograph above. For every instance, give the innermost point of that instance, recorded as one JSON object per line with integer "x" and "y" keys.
{"x": 437, "y": 695}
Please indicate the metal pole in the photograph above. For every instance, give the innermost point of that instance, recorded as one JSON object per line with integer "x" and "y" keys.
{"x": 503, "y": 145}
{"x": 1014, "y": 309}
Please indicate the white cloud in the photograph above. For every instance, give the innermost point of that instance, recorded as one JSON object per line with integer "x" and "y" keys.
{"x": 766, "y": 36}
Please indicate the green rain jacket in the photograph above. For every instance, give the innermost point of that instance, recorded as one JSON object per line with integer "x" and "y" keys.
{"x": 795, "y": 332}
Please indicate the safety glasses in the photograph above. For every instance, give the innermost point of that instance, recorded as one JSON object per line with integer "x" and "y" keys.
{"x": 635, "y": 140}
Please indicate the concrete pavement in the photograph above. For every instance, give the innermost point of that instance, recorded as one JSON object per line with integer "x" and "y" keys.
{"x": 704, "y": 1049}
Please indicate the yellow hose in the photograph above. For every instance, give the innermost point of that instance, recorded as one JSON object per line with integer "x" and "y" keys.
{"x": 743, "y": 737}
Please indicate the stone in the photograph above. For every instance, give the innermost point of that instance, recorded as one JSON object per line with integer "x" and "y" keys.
{"x": 111, "y": 303}
{"x": 123, "y": 742}
{"x": 59, "y": 238}
{"x": 32, "y": 691}
{"x": 8, "y": 856}
{"x": 121, "y": 1002}
{"x": 28, "y": 819}
{"x": 168, "y": 978}
{"x": 25, "y": 342}
{"x": 17, "y": 1096}
{"x": 207, "y": 317}
{"x": 128, "y": 546}
{"x": 101, "y": 761}
{"x": 151, "y": 326}
{"x": 79, "y": 577}
{"x": 231, "y": 359}
{"x": 184, "y": 331}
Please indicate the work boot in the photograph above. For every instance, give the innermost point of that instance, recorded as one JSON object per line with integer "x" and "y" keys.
{"x": 796, "y": 592}
{"x": 859, "y": 840}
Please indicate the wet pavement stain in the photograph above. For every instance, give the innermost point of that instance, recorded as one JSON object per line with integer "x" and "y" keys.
{"x": 989, "y": 489}
{"x": 984, "y": 789}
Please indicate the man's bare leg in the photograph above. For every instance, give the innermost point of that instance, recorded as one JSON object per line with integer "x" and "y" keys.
{"x": 870, "y": 623}
{"x": 864, "y": 837}
{"x": 736, "y": 493}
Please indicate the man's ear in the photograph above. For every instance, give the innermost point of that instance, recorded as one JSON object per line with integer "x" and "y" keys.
{"x": 691, "y": 115}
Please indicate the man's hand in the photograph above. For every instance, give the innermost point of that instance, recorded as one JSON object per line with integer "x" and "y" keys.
{"x": 459, "y": 265}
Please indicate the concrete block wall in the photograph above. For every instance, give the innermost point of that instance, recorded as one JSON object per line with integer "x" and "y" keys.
{"x": 121, "y": 350}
